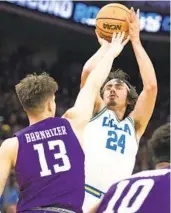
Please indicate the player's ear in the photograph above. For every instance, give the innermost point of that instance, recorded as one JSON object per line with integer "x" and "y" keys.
{"x": 128, "y": 101}
{"x": 50, "y": 105}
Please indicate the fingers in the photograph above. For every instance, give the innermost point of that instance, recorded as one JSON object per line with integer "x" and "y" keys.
{"x": 114, "y": 37}
{"x": 122, "y": 36}
{"x": 100, "y": 40}
{"x": 133, "y": 16}
{"x": 126, "y": 41}
{"x": 133, "y": 13}
{"x": 138, "y": 14}
{"x": 118, "y": 37}
{"x": 128, "y": 19}
{"x": 97, "y": 34}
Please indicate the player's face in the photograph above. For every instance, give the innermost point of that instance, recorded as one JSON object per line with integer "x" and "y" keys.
{"x": 115, "y": 94}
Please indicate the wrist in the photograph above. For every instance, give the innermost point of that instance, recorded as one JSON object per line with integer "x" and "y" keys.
{"x": 104, "y": 49}
{"x": 136, "y": 41}
{"x": 105, "y": 46}
{"x": 111, "y": 54}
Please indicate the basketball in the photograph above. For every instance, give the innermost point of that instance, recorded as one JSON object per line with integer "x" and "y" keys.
{"x": 112, "y": 18}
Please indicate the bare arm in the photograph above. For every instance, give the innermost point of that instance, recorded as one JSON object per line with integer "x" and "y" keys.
{"x": 90, "y": 65}
{"x": 82, "y": 111}
{"x": 94, "y": 208}
{"x": 94, "y": 60}
{"x": 146, "y": 101}
{"x": 6, "y": 162}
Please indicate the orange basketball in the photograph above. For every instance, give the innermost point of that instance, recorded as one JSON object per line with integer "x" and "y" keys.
{"x": 112, "y": 18}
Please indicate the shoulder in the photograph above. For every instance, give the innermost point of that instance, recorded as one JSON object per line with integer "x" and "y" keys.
{"x": 9, "y": 143}
{"x": 9, "y": 148}
{"x": 70, "y": 113}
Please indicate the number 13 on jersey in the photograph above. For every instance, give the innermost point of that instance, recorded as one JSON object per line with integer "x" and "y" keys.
{"x": 62, "y": 155}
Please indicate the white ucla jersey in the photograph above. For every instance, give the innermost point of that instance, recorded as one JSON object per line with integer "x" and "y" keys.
{"x": 110, "y": 151}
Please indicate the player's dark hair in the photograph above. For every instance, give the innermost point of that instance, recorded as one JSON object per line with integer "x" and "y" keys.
{"x": 132, "y": 94}
{"x": 34, "y": 90}
{"x": 159, "y": 144}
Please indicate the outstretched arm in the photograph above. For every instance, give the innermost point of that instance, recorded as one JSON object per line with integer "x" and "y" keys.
{"x": 91, "y": 64}
{"x": 146, "y": 101}
{"x": 82, "y": 111}
{"x": 94, "y": 60}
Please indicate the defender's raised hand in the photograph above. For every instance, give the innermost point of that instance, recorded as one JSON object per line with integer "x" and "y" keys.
{"x": 117, "y": 44}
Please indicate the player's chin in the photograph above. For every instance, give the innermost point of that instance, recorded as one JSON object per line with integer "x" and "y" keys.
{"x": 111, "y": 103}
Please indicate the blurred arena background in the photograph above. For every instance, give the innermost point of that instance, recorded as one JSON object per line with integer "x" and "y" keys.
{"x": 58, "y": 37}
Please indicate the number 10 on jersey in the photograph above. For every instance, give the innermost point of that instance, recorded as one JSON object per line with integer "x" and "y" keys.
{"x": 45, "y": 171}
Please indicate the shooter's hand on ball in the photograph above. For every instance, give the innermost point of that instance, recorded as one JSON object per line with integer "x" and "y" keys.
{"x": 134, "y": 25}
{"x": 101, "y": 41}
{"x": 117, "y": 44}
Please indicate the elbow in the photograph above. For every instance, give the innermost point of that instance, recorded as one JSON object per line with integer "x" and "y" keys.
{"x": 86, "y": 69}
{"x": 152, "y": 88}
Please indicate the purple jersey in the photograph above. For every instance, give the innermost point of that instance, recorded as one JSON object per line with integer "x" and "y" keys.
{"x": 145, "y": 192}
{"x": 50, "y": 166}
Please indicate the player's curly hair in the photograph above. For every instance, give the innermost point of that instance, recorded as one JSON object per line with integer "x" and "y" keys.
{"x": 132, "y": 94}
{"x": 159, "y": 144}
{"x": 34, "y": 90}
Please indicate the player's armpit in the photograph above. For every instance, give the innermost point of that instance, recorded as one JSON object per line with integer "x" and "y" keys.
{"x": 143, "y": 110}
{"x": 7, "y": 157}
{"x": 81, "y": 113}
{"x": 99, "y": 104}
{"x": 84, "y": 76}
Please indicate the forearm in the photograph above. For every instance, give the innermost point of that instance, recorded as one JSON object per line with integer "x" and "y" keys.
{"x": 93, "y": 62}
{"x": 145, "y": 66}
{"x": 99, "y": 74}
{"x": 96, "y": 58}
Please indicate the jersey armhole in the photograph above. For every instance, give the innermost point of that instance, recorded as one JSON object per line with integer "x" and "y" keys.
{"x": 98, "y": 114}
{"x": 133, "y": 124}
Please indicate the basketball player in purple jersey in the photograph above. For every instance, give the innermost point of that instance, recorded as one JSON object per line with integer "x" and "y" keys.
{"x": 147, "y": 191}
{"x": 47, "y": 155}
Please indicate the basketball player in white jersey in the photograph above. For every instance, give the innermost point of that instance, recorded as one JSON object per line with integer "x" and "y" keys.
{"x": 147, "y": 191}
{"x": 120, "y": 118}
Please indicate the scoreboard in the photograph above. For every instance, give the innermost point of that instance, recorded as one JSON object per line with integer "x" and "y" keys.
{"x": 154, "y": 19}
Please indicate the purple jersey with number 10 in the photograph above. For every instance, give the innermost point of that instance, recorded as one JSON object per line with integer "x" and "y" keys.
{"x": 50, "y": 166}
{"x": 145, "y": 192}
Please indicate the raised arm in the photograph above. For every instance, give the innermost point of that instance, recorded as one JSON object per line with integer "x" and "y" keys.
{"x": 94, "y": 60}
{"x": 146, "y": 101}
{"x": 91, "y": 64}
{"x": 82, "y": 111}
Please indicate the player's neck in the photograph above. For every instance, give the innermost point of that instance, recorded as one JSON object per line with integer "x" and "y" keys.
{"x": 37, "y": 118}
{"x": 120, "y": 112}
{"x": 162, "y": 165}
